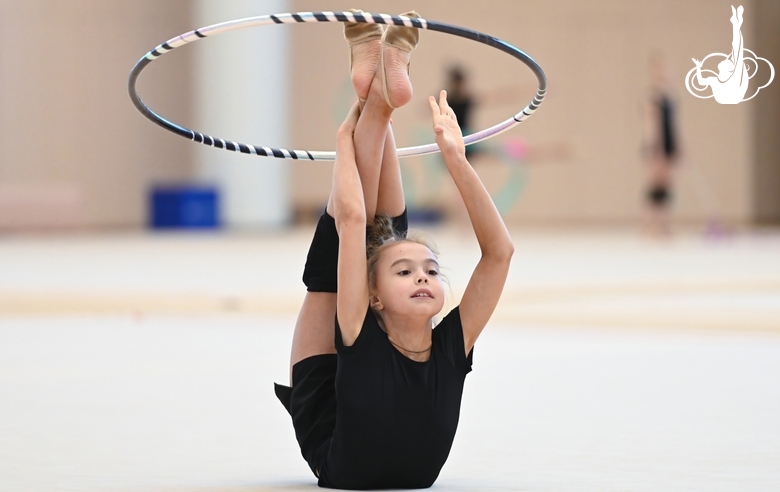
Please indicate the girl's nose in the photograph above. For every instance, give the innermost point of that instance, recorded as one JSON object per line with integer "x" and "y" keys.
{"x": 421, "y": 280}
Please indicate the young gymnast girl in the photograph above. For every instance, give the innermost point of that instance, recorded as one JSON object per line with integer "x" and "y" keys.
{"x": 375, "y": 388}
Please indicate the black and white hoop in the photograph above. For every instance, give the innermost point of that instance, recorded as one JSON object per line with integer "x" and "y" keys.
{"x": 303, "y": 17}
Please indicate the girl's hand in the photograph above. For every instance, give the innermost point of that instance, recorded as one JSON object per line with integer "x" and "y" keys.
{"x": 347, "y": 128}
{"x": 445, "y": 125}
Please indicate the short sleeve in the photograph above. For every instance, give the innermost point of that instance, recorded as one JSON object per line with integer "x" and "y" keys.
{"x": 366, "y": 336}
{"x": 448, "y": 337}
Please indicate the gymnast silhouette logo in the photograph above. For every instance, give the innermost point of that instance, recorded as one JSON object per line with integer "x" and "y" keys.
{"x": 735, "y": 70}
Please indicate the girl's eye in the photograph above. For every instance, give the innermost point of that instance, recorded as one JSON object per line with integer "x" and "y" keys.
{"x": 432, "y": 272}
{"x": 404, "y": 272}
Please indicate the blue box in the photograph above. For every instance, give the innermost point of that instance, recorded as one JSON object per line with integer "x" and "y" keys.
{"x": 184, "y": 207}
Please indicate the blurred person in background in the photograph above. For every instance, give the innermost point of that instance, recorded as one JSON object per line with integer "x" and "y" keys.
{"x": 662, "y": 151}
{"x": 461, "y": 101}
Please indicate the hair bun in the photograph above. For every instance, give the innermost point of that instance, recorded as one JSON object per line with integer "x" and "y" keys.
{"x": 380, "y": 233}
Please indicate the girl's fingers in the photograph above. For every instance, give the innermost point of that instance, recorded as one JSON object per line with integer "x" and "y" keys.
{"x": 434, "y": 106}
{"x": 443, "y": 102}
{"x": 354, "y": 113}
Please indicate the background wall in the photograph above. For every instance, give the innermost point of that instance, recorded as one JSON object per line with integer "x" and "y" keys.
{"x": 73, "y": 150}
{"x": 766, "y": 128}
{"x": 75, "y": 153}
{"x": 584, "y": 160}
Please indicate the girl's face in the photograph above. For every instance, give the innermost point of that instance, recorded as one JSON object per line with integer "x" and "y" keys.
{"x": 408, "y": 280}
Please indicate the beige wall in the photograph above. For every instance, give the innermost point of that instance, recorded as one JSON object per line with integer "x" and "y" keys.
{"x": 73, "y": 150}
{"x": 766, "y": 137}
{"x": 588, "y": 133}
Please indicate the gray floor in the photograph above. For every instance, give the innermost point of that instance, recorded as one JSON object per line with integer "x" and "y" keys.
{"x": 139, "y": 362}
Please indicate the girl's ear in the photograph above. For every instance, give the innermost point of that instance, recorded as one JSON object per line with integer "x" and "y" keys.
{"x": 375, "y": 303}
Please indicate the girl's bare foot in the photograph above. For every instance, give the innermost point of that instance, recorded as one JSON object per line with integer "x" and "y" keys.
{"x": 365, "y": 58}
{"x": 375, "y": 99}
{"x": 397, "y": 45}
{"x": 365, "y": 46}
{"x": 397, "y": 86}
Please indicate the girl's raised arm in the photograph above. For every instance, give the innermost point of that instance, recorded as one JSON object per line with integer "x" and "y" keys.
{"x": 484, "y": 288}
{"x": 349, "y": 212}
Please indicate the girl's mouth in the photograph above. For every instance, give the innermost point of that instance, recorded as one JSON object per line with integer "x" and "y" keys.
{"x": 423, "y": 294}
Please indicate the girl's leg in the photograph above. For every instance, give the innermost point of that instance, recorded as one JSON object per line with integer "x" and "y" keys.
{"x": 370, "y": 142}
{"x": 314, "y": 329}
{"x": 314, "y": 333}
{"x": 380, "y": 176}
{"x": 390, "y": 196}
{"x": 374, "y": 142}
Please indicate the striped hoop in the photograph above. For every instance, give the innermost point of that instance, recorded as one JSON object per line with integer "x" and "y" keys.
{"x": 302, "y": 17}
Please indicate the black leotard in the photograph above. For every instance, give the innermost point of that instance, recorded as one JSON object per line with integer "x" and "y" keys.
{"x": 668, "y": 141}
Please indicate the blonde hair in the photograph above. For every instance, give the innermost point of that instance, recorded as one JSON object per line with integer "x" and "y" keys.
{"x": 381, "y": 235}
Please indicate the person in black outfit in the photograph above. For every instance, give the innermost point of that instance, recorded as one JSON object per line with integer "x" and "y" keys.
{"x": 662, "y": 153}
{"x": 462, "y": 102}
{"x": 375, "y": 387}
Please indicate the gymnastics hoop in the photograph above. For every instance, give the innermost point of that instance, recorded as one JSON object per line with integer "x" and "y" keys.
{"x": 304, "y": 17}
